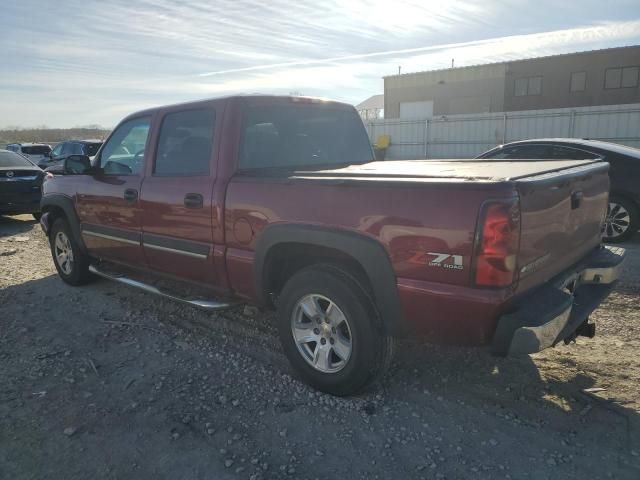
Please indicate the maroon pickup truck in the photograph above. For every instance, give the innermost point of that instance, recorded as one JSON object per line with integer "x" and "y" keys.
{"x": 277, "y": 201}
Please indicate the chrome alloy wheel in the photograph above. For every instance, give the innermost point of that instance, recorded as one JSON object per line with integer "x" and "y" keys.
{"x": 617, "y": 221}
{"x": 321, "y": 333}
{"x": 63, "y": 253}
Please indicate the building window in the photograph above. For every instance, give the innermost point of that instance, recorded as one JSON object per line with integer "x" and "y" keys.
{"x": 578, "y": 81}
{"x": 521, "y": 86}
{"x": 630, "y": 77}
{"x": 528, "y": 86}
{"x": 624, "y": 77}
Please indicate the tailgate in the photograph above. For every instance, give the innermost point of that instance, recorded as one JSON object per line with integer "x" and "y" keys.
{"x": 561, "y": 217}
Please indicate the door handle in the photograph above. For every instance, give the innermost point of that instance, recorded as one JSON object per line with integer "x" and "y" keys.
{"x": 193, "y": 200}
{"x": 576, "y": 200}
{"x": 130, "y": 195}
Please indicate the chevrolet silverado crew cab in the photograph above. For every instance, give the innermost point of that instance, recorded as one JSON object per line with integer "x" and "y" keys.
{"x": 277, "y": 201}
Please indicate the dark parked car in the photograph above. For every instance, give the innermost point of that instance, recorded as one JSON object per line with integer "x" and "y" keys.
{"x": 38, "y": 153}
{"x": 624, "y": 199}
{"x": 20, "y": 185}
{"x": 72, "y": 147}
{"x": 278, "y": 201}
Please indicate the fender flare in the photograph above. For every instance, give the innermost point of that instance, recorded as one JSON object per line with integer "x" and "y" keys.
{"x": 368, "y": 252}
{"x": 65, "y": 203}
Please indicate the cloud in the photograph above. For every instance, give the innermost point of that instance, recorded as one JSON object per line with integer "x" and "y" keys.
{"x": 89, "y": 61}
{"x": 505, "y": 45}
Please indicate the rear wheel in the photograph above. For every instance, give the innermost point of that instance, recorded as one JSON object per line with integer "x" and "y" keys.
{"x": 37, "y": 216}
{"x": 622, "y": 220}
{"x": 330, "y": 331}
{"x": 71, "y": 262}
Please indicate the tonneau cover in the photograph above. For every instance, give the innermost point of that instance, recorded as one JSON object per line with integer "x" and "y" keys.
{"x": 456, "y": 170}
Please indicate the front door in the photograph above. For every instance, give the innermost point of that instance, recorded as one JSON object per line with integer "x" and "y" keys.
{"x": 109, "y": 203}
{"x": 177, "y": 198}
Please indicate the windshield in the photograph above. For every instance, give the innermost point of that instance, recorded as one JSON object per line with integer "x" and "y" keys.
{"x": 91, "y": 149}
{"x": 36, "y": 150}
{"x": 10, "y": 159}
{"x": 302, "y": 137}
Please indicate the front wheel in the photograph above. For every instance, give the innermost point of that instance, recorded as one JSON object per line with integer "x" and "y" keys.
{"x": 71, "y": 262}
{"x": 622, "y": 220}
{"x": 330, "y": 330}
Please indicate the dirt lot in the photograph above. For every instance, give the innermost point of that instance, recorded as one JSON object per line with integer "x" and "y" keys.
{"x": 106, "y": 382}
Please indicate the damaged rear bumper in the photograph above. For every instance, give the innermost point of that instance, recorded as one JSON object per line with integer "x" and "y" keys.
{"x": 557, "y": 310}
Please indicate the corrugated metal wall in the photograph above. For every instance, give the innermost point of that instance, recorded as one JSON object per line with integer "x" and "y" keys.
{"x": 407, "y": 137}
{"x": 465, "y": 136}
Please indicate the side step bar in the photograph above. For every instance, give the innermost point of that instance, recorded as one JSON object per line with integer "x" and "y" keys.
{"x": 200, "y": 303}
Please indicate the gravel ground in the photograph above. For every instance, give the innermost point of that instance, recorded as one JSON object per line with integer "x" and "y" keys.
{"x": 107, "y": 382}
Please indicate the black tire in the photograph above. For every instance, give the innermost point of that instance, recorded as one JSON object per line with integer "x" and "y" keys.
{"x": 371, "y": 349}
{"x": 632, "y": 227}
{"x": 37, "y": 216}
{"x": 77, "y": 272}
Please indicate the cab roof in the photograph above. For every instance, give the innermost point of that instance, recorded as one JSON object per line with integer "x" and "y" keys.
{"x": 253, "y": 99}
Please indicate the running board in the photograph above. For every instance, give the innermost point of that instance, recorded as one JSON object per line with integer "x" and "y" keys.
{"x": 199, "y": 303}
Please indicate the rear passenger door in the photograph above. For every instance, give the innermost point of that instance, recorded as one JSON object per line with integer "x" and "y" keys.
{"x": 179, "y": 214}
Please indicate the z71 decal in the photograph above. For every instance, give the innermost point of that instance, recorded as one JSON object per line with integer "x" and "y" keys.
{"x": 435, "y": 259}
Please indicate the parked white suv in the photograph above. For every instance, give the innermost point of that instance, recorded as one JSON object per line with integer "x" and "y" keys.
{"x": 38, "y": 153}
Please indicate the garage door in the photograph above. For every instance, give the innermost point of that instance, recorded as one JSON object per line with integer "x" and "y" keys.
{"x": 416, "y": 109}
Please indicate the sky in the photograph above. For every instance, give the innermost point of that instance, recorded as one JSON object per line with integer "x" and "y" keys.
{"x": 69, "y": 63}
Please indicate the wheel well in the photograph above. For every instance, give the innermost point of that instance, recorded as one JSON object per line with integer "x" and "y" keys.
{"x": 54, "y": 212}
{"x": 629, "y": 198}
{"x": 285, "y": 259}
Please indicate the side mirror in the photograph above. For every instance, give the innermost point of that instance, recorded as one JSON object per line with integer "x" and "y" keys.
{"x": 76, "y": 165}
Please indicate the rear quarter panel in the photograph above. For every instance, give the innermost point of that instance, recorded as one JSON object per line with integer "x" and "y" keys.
{"x": 410, "y": 221}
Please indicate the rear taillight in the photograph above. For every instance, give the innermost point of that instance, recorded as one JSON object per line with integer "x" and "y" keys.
{"x": 497, "y": 243}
